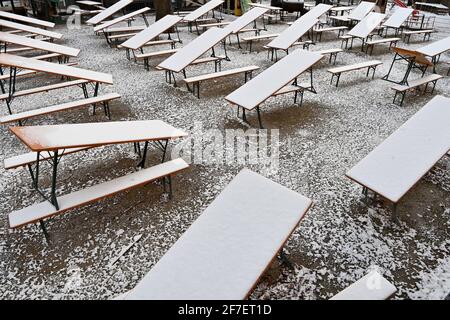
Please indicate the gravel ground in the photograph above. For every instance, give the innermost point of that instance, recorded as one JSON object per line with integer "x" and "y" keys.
{"x": 338, "y": 241}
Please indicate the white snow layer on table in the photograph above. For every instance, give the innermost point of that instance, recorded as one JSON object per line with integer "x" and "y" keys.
{"x": 225, "y": 251}
{"x": 372, "y": 286}
{"x": 393, "y": 167}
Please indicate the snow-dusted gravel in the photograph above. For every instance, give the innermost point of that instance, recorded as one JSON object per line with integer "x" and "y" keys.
{"x": 340, "y": 239}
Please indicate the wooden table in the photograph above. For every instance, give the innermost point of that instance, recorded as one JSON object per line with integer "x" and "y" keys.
{"x": 108, "y": 12}
{"x": 402, "y": 159}
{"x": 37, "y": 44}
{"x": 123, "y": 18}
{"x": 204, "y": 9}
{"x": 250, "y": 95}
{"x": 57, "y": 138}
{"x": 17, "y": 17}
{"x": 194, "y": 49}
{"x": 30, "y": 29}
{"x": 226, "y": 250}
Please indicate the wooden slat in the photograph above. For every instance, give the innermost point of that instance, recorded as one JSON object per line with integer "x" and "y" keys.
{"x": 50, "y": 87}
{"x": 355, "y": 66}
{"x": 210, "y": 5}
{"x": 30, "y": 158}
{"x": 26, "y": 28}
{"x": 38, "y": 44}
{"x": 220, "y": 74}
{"x": 54, "y": 68}
{"x": 95, "y": 193}
{"x": 53, "y": 137}
{"x": 417, "y": 82}
{"x": 56, "y": 108}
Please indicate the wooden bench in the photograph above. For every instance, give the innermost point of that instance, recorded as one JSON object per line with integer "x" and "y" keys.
{"x": 372, "y": 286}
{"x": 195, "y": 81}
{"x": 215, "y": 24}
{"x": 29, "y": 158}
{"x": 426, "y": 34}
{"x": 43, "y": 210}
{"x": 249, "y": 40}
{"x": 332, "y": 52}
{"x": 103, "y": 99}
{"x": 50, "y": 87}
{"x": 228, "y": 239}
{"x": 319, "y": 31}
{"x": 370, "y": 65}
{"x": 371, "y": 43}
{"x": 402, "y": 89}
{"x": 148, "y": 55}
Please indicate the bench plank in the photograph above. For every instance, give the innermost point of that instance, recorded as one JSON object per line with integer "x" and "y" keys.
{"x": 417, "y": 82}
{"x": 226, "y": 250}
{"x": 29, "y": 158}
{"x": 100, "y": 191}
{"x": 50, "y": 87}
{"x": 220, "y": 74}
{"x": 38, "y": 44}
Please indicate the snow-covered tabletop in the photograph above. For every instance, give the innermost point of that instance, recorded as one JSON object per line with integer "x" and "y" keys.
{"x": 226, "y": 250}
{"x": 394, "y": 166}
{"x": 265, "y": 84}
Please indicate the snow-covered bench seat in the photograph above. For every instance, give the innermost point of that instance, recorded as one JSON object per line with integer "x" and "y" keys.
{"x": 370, "y": 65}
{"x": 402, "y": 89}
{"x": 195, "y": 81}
